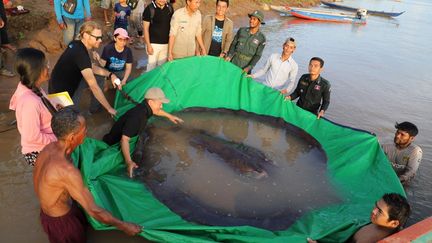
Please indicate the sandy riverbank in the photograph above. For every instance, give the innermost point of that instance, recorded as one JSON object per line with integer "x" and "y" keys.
{"x": 39, "y": 29}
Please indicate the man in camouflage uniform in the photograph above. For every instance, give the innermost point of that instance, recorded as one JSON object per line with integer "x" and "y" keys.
{"x": 248, "y": 44}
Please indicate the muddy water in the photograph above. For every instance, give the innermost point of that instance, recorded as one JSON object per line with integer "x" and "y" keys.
{"x": 380, "y": 74}
{"x": 236, "y": 168}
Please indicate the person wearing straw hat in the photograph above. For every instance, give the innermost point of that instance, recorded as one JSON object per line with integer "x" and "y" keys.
{"x": 134, "y": 120}
{"x": 248, "y": 44}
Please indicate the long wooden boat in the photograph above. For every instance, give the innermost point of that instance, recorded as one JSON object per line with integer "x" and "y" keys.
{"x": 351, "y": 9}
{"x": 284, "y": 10}
{"x": 329, "y": 16}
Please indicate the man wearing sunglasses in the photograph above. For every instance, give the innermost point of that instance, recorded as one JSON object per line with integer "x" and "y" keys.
{"x": 281, "y": 69}
{"x": 74, "y": 71}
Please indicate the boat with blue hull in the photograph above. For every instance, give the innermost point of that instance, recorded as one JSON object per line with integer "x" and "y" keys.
{"x": 322, "y": 15}
{"x": 328, "y": 16}
{"x": 353, "y": 9}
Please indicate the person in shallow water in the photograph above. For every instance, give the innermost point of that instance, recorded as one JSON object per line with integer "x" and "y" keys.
{"x": 59, "y": 185}
{"x": 134, "y": 121}
{"x": 312, "y": 90}
{"x": 404, "y": 156}
{"x": 387, "y": 217}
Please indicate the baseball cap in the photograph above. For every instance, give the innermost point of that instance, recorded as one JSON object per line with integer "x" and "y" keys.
{"x": 121, "y": 32}
{"x": 257, "y": 14}
{"x": 156, "y": 94}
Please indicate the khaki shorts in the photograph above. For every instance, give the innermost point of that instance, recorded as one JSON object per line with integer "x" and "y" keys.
{"x": 108, "y": 4}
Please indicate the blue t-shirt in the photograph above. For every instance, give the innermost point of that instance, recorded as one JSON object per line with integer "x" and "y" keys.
{"x": 116, "y": 61}
{"x": 121, "y": 14}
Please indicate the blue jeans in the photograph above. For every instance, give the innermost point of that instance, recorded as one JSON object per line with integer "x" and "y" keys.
{"x": 72, "y": 29}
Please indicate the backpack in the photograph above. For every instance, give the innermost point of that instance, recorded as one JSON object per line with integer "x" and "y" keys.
{"x": 132, "y": 3}
{"x": 152, "y": 7}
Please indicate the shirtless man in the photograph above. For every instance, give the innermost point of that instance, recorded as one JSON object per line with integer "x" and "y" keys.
{"x": 387, "y": 217}
{"x": 59, "y": 185}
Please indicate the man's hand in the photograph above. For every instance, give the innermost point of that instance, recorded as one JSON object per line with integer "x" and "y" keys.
{"x": 320, "y": 114}
{"x": 227, "y": 59}
{"x": 149, "y": 50}
{"x": 203, "y": 52}
{"x": 112, "y": 111}
{"x": 62, "y": 26}
{"x": 113, "y": 79}
{"x": 130, "y": 168}
{"x": 175, "y": 119}
{"x": 288, "y": 97}
{"x": 96, "y": 56}
{"x": 249, "y": 76}
{"x": 309, "y": 240}
{"x": 284, "y": 91}
{"x": 170, "y": 57}
{"x": 130, "y": 228}
{"x": 246, "y": 69}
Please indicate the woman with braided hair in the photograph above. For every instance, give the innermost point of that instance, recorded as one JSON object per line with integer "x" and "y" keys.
{"x": 32, "y": 109}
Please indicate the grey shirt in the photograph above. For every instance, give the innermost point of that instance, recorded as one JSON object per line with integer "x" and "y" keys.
{"x": 405, "y": 161}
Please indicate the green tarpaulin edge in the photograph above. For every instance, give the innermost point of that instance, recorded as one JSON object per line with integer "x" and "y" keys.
{"x": 356, "y": 165}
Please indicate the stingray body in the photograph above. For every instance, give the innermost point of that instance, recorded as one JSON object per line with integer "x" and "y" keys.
{"x": 243, "y": 158}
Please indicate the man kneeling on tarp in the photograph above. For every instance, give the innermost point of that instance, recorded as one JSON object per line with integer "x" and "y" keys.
{"x": 56, "y": 182}
{"x": 134, "y": 120}
{"x": 387, "y": 217}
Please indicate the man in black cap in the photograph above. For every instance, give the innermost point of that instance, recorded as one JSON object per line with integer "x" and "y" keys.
{"x": 134, "y": 120}
{"x": 248, "y": 44}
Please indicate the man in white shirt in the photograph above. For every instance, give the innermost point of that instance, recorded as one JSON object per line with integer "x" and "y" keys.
{"x": 405, "y": 157}
{"x": 281, "y": 69}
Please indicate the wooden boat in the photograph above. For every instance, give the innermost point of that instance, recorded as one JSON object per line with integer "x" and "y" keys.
{"x": 351, "y": 9}
{"x": 329, "y": 16}
{"x": 284, "y": 10}
{"x": 321, "y": 15}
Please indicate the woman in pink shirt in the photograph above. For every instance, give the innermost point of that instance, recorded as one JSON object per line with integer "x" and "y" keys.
{"x": 32, "y": 108}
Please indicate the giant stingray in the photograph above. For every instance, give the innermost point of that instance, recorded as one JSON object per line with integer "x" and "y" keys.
{"x": 167, "y": 152}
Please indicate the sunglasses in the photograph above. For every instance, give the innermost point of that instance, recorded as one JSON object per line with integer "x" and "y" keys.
{"x": 96, "y": 37}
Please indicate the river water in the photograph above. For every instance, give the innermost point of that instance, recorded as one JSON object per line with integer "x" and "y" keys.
{"x": 379, "y": 74}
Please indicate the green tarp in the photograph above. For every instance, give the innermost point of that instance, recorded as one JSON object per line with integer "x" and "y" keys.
{"x": 356, "y": 165}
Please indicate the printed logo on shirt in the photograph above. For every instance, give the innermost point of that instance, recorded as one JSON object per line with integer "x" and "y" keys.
{"x": 217, "y": 34}
{"x": 256, "y": 41}
{"x": 122, "y": 14}
{"x": 317, "y": 87}
{"x": 116, "y": 64}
